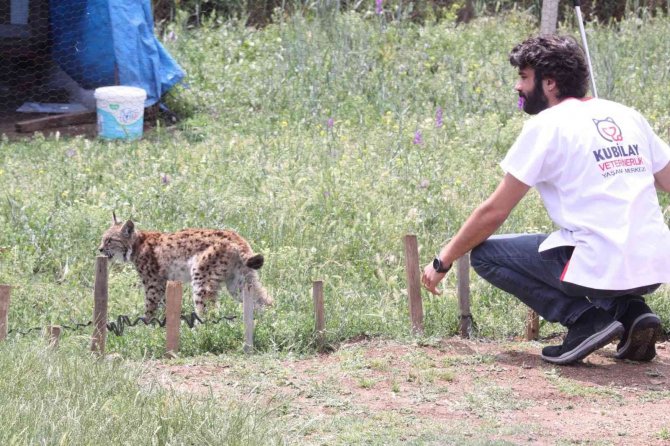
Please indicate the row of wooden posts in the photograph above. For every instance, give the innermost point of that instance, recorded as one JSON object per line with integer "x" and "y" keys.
{"x": 173, "y": 304}
{"x": 413, "y": 270}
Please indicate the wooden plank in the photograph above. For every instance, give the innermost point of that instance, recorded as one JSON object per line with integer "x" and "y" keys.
{"x": 33, "y": 125}
{"x": 5, "y": 292}
{"x": 100, "y": 298}
{"x": 319, "y": 314}
{"x": 413, "y": 282}
{"x": 248, "y": 304}
{"x": 463, "y": 290}
{"x": 173, "y": 301}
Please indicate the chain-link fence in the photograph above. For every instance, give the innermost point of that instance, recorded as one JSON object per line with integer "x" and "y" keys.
{"x": 41, "y": 71}
{"x": 55, "y": 53}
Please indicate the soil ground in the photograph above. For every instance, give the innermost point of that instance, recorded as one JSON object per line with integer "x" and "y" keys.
{"x": 450, "y": 391}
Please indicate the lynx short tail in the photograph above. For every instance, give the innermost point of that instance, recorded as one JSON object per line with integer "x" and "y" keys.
{"x": 255, "y": 262}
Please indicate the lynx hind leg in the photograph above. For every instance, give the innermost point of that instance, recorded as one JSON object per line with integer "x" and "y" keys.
{"x": 204, "y": 295}
{"x": 253, "y": 286}
{"x": 206, "y": 281}
{"x": 234, "y": 284}
{"x": 154, "y": 295}
{"x": 247, "y": 282}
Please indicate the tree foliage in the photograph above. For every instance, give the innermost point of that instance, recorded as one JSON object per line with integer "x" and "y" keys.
{"x": 261, "y": 12}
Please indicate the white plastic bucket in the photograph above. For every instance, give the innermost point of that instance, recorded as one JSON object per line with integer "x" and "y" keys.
{"x": 120, "y": 111}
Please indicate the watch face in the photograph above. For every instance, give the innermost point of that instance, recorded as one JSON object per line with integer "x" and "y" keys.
{"x": 436, "y": 264}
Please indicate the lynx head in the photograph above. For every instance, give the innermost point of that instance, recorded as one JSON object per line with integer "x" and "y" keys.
{"x": 118, "y": 240}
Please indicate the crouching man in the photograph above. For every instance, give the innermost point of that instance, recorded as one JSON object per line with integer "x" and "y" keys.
{"x": 596, "y": 165}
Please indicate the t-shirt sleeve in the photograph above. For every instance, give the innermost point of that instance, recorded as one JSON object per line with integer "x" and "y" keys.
{"x": 658, "y": 149}
{"x": 525, "y": 160}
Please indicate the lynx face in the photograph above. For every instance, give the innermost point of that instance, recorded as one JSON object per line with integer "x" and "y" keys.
{"x": 207, "y": 258}
{"x": 117, "y": 241}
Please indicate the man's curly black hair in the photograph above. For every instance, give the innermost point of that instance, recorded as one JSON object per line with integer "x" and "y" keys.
{"x": 557, "y": 57}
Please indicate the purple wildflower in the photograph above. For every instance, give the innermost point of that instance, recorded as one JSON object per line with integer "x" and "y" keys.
{"x": 378, "y": 7}
{"x": 70, "y": 153}
{"x": 521, "y": 102}
{"x": 330, "y": 123}
{"x": 165, "y": 179}
{"x": 417, "y": 138}
{"x": 438, "y": 117}
{"x": 424, "y": 184}
{"x": 172, "y": 36}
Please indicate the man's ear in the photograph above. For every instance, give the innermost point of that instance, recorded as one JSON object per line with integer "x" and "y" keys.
{"x": 128, "y": 228}
{"x": 550, "y": 85}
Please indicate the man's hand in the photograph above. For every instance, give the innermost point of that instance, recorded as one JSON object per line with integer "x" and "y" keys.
{"x": 431, "y": 278}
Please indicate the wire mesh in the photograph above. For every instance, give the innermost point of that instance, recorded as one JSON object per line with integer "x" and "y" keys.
{"x": 53, "y": 54}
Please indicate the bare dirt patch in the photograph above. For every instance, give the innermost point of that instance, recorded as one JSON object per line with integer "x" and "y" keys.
{"x": 452, "y": 391}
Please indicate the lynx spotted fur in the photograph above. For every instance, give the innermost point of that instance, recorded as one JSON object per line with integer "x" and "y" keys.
{"x": 205, "y": 257}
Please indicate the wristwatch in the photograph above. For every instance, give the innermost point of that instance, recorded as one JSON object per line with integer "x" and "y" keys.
{"x": 439, "y": 267}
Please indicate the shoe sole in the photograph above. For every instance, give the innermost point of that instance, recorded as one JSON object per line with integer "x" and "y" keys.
{"x": 589, "y": 345}
{"x": 641, "y": 343}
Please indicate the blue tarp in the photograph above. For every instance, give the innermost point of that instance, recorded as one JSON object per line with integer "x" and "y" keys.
{"x": 111, "y": 42}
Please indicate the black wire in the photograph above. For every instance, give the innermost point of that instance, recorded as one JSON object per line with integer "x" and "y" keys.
{"x": 122, "y": 321}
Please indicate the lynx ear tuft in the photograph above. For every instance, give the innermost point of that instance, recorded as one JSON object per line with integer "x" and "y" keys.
{"x": 128, "y": 228}
{"x": 114, "y": 220}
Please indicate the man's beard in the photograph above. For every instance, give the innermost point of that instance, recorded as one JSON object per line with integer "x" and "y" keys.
{"x": 535, "y": 101}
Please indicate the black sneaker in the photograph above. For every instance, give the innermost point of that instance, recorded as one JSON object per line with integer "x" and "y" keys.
{"x": 642, "y": 330}
{"x": 593, "y": 330}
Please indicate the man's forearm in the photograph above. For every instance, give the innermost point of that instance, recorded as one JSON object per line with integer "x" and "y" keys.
{"x": 481, "y": 224}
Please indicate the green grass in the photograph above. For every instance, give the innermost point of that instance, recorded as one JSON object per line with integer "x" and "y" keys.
{"x": 323, "y": 202}
{"x": 255, "y": 152}
{"x": 489, "y": 400}
{"x": 69, "y": 397}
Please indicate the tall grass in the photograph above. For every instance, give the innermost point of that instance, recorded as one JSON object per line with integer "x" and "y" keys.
{"x": 68, "y": 397}
{"x": 318, "y": 140}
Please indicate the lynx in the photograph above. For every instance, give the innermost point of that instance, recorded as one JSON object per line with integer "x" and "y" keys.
{"x": 205, "y": 257}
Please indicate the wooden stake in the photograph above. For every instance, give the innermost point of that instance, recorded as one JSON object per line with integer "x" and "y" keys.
{"x": 100, "y": 298}
{"x": 5, "y": 292}
{"x": 413, "y": 283}
{"x": 532, "y": 325}
{"x": 52, "y": 334}
{"x": 319, "y": 314}
{"x": 248, "y": 303}
{"x": 173, "y": 300}
{"x": 463, "y": 290}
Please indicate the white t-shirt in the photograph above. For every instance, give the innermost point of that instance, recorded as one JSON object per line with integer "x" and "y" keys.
{"x": 593, "y": 162}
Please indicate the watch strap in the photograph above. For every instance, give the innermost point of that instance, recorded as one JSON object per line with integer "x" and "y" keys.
{"x": 439, "y": 266}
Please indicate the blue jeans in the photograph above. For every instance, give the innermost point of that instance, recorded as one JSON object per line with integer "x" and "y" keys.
{"x": 513, "y": 264}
